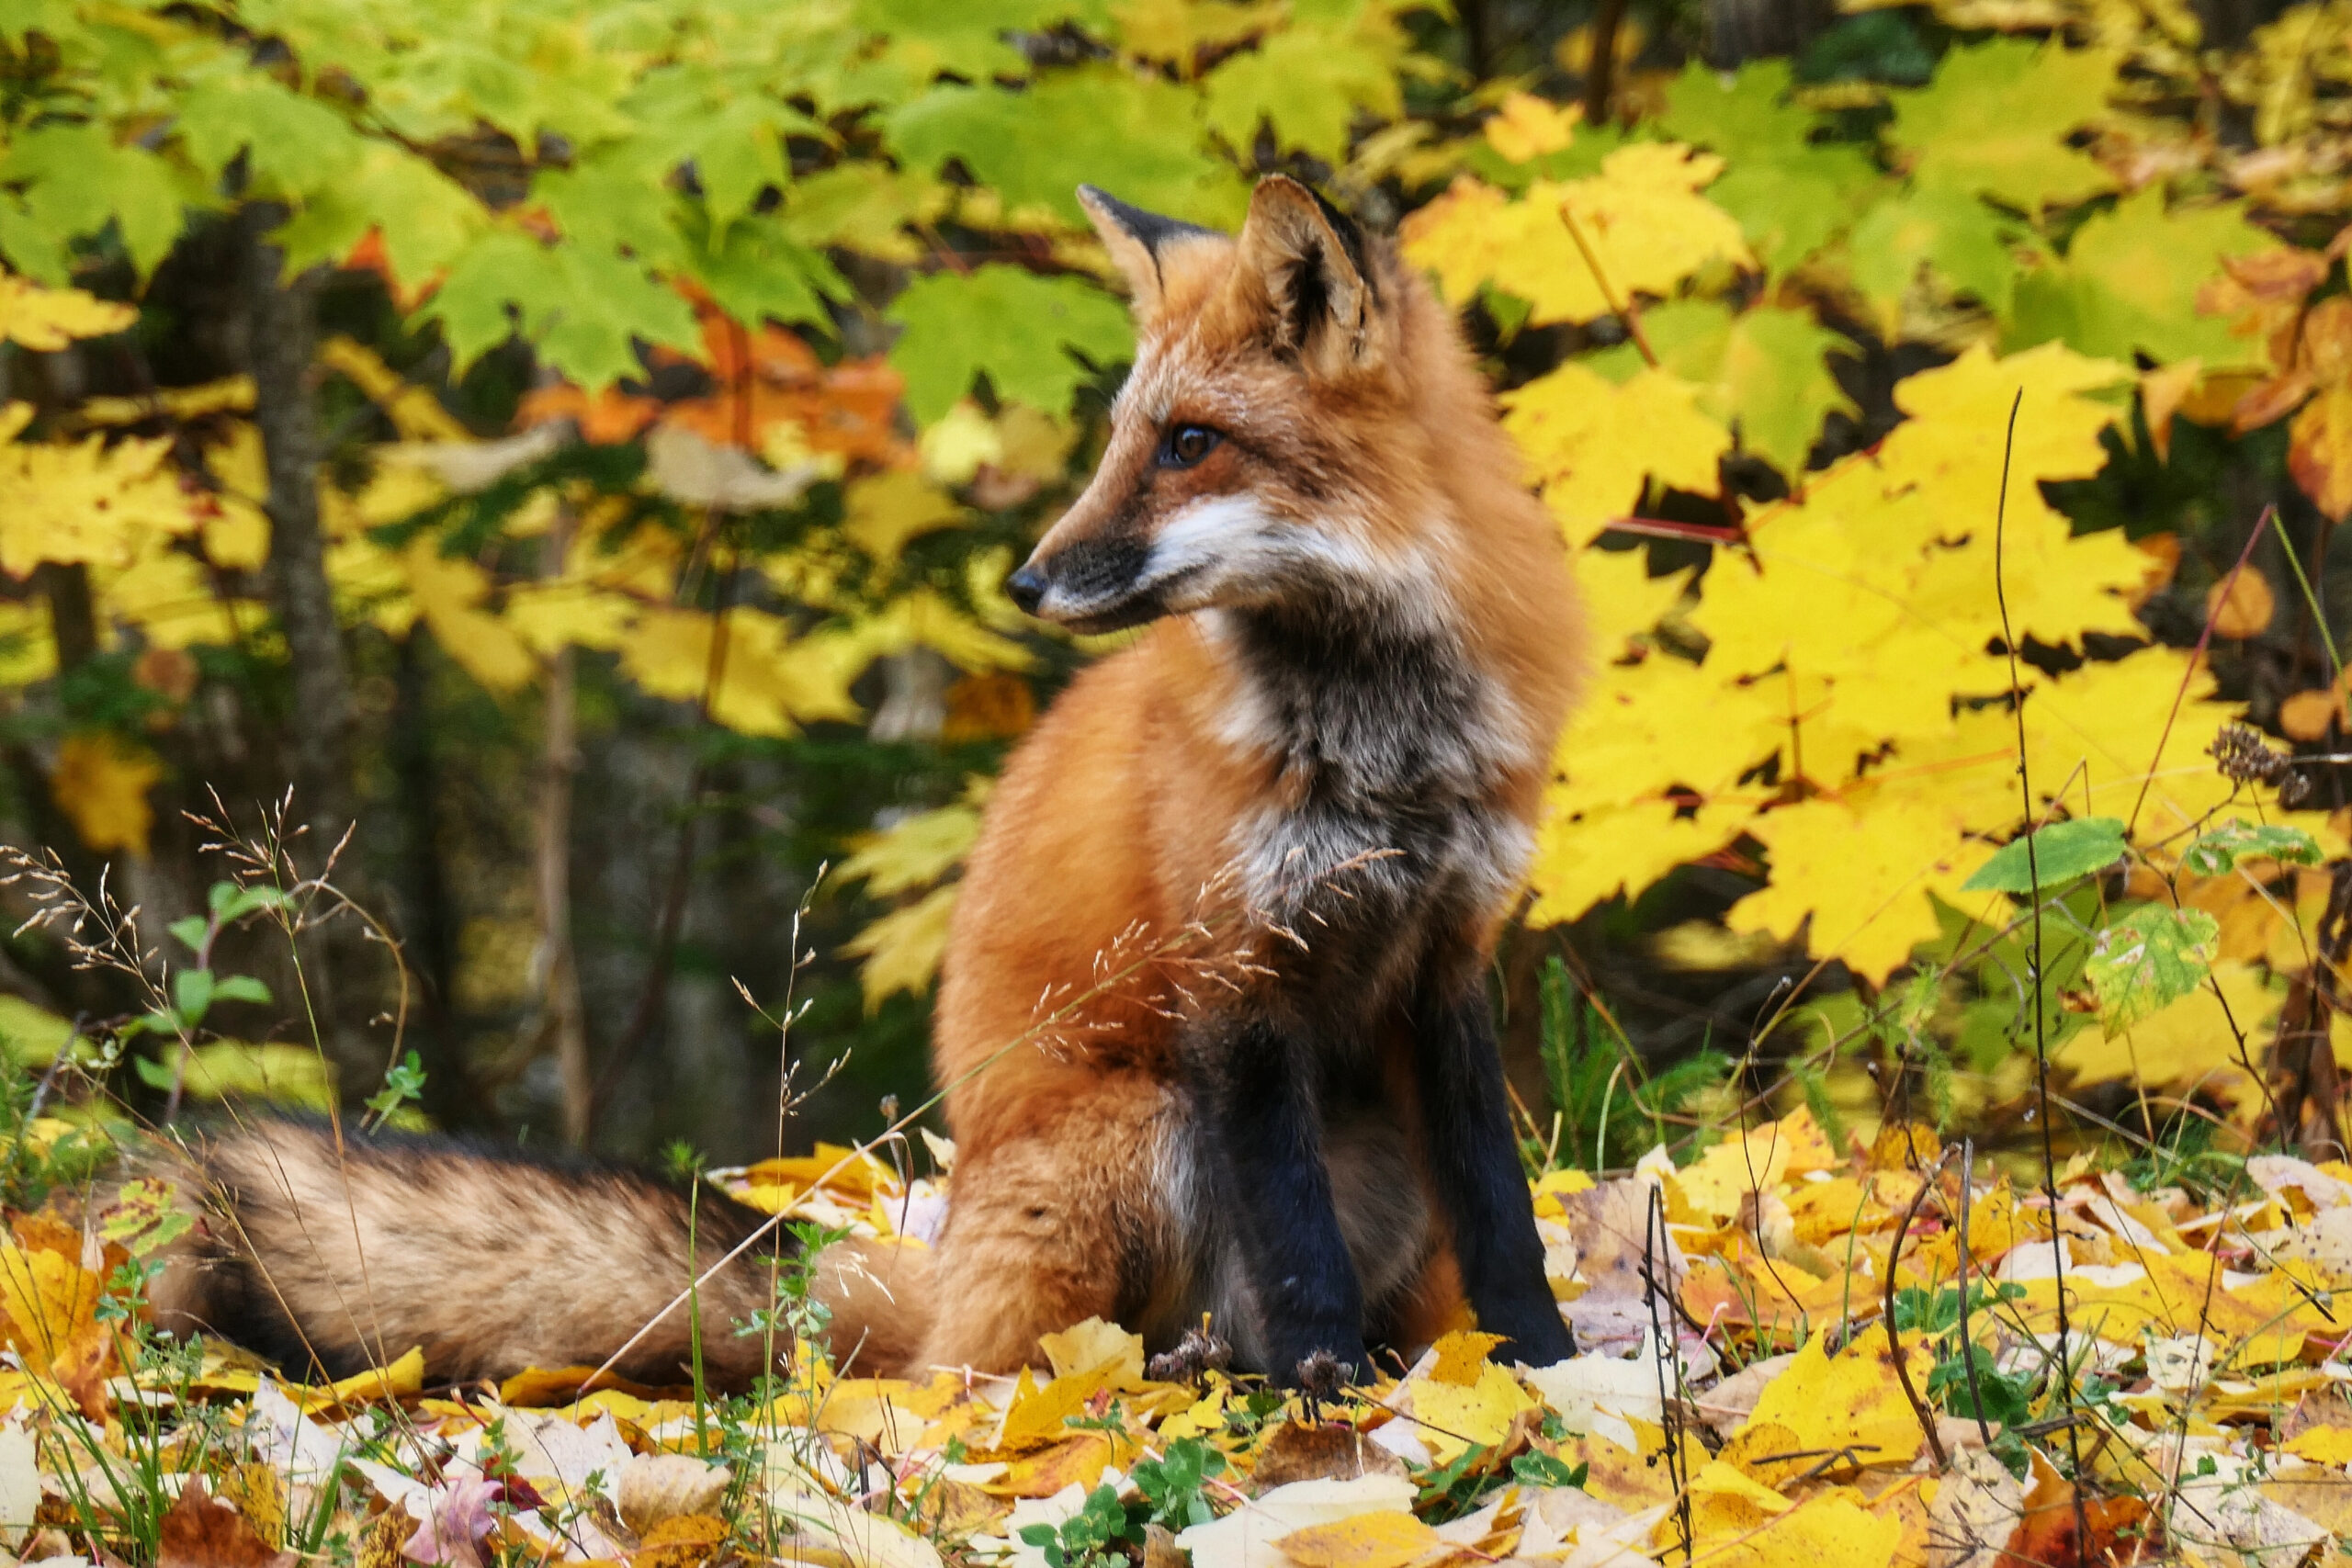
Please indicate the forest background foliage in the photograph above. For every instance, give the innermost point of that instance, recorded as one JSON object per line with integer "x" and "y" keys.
{"x": 578, "y": 447}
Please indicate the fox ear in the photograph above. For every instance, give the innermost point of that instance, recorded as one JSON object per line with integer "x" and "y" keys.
{"x": 1308, "y": 261}
{"x": 1135, "y": 239}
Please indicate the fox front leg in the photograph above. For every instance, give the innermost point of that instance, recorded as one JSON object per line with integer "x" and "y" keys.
{"x": 1263, "y": 1139}
{"x": 1458, "y": 1067}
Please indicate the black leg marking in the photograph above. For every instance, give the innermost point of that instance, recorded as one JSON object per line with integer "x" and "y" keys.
{"x": 1265, "y": 1141}
{"x": 1475, "y": 1167}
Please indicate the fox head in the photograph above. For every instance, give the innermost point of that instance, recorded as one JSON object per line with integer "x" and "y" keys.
{"x": 1263, "y": 449}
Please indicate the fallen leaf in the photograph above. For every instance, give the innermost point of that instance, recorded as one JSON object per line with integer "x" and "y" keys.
{"x": 1387, "y": 1540}
{"x": 198, "y": 1532}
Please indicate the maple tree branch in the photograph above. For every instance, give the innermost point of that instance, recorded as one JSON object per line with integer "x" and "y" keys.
{"x": 1623, "y": 311}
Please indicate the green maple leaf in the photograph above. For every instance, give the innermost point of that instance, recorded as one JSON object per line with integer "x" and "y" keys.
{"x": 614, "y": 202}
{"x": 1791, "y": 194}
{"x": 78, "y": 181}
{"x": 2129, "y": 283}
{"x": 2149, "y": 959}
{"x": 1965, "y": 243}
{"x": 472, "y": 305}
{"x": 861, "y": 205}
{"x": 759, "y": 271}
{"x": 1307, "y": 84}
{"x": 731, "y": 134}
{"x": 2220, "y": 846}
{"x": 2049, "y": 856}
{"x": 1996, "y": 118}
{"x": 297, "y": 144}
{"x": 1763, "y": 370}
{"x": 428, "y": 219}
{"x": 31, "y": 248}
{"x": 1015, "y": 325}
{"x": 604, "y": 305}
{"x": 968, "y": 37}
{"x": 1135, "y": 137}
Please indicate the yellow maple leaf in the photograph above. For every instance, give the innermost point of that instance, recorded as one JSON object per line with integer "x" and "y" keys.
{"x": 1527, "y": 127}
{"x": 1389, "y": 1539}
{"x": 2323, "y": 1445}
{"x": 1097, "y": 1349}
{"x": 569, "y": 613}
{"x": 2101, "y": 733}
{"x": 767, "y": 679}
{"x": 917, "y": 851}
{"x": 885, "y": 510}
{"x": 1852, "y": 1400}
{"x": 1828, "y": 1530}
{"x": 1581, "y": 860}
{"x": 2193, "y": 1042}
{"x": 1461, "y": 1357}
{"x": 168, "y": 594}
{"x": 1621, "y": 597}
{"x": 1665, "y": 723}
{"x": 902, "y": 949}
{"x": 1642, "y": 216}
{"x": 1458, "y": 1417}
{"x": 46, "y": 320}
{"x": 1593, "y": 445}
{"x": 1757, "y": 1160}
{"x": 1959, "y": 412}
{"x": 1861, "y": 873}
{"x": 83, "y": 502}
{"x": 101, "y": 784}
{"x": 449, "y": 592}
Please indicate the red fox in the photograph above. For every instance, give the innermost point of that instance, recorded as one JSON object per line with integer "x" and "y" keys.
{"x": 1212, "y": 1021}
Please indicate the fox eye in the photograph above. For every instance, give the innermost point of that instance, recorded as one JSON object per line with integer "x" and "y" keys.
{"x": 1187, "y": 445}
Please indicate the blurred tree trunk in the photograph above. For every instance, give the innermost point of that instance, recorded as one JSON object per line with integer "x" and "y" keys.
{"x": 282, "y": 337}
{"x": 427, "y": 915}
{"x": 1739, "y": 30}
{"x": 556, "y": 977}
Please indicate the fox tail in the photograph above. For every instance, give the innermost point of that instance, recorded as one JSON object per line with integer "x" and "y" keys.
{"x": 328, "y": 1251}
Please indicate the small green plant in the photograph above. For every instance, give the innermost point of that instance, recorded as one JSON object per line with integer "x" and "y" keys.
{"x": 1175, "y": 1484}
{"x": 403, "y": 1085}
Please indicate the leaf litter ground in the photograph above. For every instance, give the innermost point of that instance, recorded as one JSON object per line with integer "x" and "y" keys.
{"x": 1757, "y": 1389}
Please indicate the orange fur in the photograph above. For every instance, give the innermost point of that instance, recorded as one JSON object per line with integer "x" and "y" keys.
{"x": 1115, "y": 827}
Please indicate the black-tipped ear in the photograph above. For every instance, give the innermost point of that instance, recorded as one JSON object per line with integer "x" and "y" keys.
{"x": 1135, "y": 239}
{"x": 1315, "y": 274}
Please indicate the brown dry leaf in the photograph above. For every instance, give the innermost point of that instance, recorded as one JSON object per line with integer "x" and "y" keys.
{"x": 1331, "y": 1451}
{"x": 2246, "y": 609}
{"x": 2060, "y": 1530}
{"x": 200, "y": 1533}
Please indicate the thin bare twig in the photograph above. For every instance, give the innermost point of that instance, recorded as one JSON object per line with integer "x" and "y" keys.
{"x": 1895, "y": 1341}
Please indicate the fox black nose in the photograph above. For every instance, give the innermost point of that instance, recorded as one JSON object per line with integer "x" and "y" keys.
{"x": 1027, "y": 587}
